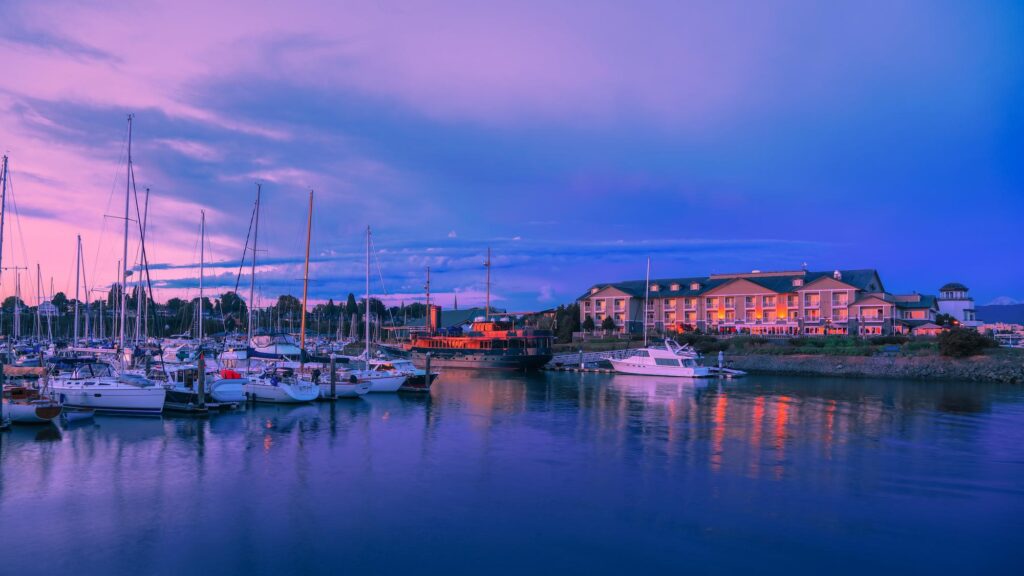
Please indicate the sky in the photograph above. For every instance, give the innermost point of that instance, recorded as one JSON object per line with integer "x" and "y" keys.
{"x": 574, "y": 138}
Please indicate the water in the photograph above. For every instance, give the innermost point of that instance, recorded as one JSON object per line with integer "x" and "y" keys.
{"x": 550, "y": 473}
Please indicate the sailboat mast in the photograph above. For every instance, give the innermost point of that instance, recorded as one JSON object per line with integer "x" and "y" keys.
{"x": 367, "y": 297}
{"x": 305, "y": 283}
{"x": 124, "y": 258}
{"x": 647, "y": 297}
{"x": 78, "y": 280}
{"x": 487, "y": 305}
{"x": 39, "y": 301}
{"x": 3, "y": 208}
{"x": 252, "y": 280}
{"x": 202, "y": 265}
{"x": 430, "y": 317}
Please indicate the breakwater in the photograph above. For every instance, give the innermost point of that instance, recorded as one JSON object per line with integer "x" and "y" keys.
{"x": 1003, "y": 369}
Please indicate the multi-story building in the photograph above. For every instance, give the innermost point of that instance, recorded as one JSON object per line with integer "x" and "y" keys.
{"x": 955, "y": 300}
{"x": 787, "y": 303}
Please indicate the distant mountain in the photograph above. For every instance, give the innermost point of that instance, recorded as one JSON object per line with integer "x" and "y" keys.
{"x": 1009, "y": 313}
{"x": 1003, "y": 301}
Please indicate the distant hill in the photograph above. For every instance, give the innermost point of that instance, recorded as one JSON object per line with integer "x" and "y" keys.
{"x": 1010, "y": 313}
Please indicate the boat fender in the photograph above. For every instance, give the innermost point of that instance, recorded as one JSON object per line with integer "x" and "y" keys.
{"x": 352, "y": 379}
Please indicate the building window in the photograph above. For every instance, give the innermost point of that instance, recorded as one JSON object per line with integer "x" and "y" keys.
{"x": 793, "y": 315}
{"x": 839, "y": 315}
{"x": 812, "y": 315}
{"x": 670, "y": 316}
{"x": 792, "y": 301}
{"x": 812, "y": 300}
{"x": 690, "y": 303}
{"x": 695, "y": 286}
{"x": 620, "y": 304}
{"x": 670, "y": 304}
{"x": 709, "y": 317}
{"x": 798, "y": 282}
{"x": 840, "y": 299}
{"x": 730, "y": 301}
{"x": 690, "y": 317}
{"x": 655, "y": 288}
{"x": 769, "y": 315}
{"x": 586, "y": 305}
{"x": 674, "y": 287}
{"x": 768, "y": 301}
{"x": 730, "y": 315}
{"x": 711, "y": 302}
{"x": 748, "y": 301}
{"x": 750, "y": 316}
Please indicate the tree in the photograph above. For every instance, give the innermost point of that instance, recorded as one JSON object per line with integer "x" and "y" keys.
{"x": 608, "y": 323}
{"x": 60, "y": 301}
{"x": 963, "y": 342}
{"x": 567, "y": 321}
{"x": 945, "y": 320}
{"x": 350, "y": 305}
{"x": 588, "y": 323}
{"x": 10, "y": 302}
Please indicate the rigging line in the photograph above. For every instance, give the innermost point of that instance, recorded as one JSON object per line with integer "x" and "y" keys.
{"x": 17, "y": 218}
{"x": 241, "y": 262}
{"x": 143, "y": 221}
{"x": 380, "y": 274}
{"x": 122, "y": 158}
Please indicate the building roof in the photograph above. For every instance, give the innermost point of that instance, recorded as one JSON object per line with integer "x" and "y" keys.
{"x": 781, "y": 282}
{"x": 922, "y": 301}
{"x": 953, "y": 287}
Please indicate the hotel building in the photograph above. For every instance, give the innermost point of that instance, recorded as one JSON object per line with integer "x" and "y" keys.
{"x": 787, "y": 303}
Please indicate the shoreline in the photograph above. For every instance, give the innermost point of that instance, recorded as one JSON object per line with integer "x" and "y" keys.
{"x": 1005, "y": 370}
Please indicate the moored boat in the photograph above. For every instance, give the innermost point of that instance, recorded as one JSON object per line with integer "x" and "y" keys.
{"x": 99, "y": 387}
{"x": 668, "y": 359}
{"x": 27, "y": 406}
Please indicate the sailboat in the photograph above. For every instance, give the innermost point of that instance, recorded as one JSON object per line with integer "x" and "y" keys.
{"x": 380, "y": 379}
{"x": 281, "y": 385}
{"x": 99, "y": 386}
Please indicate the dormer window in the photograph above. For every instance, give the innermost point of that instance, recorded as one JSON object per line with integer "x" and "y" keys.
{"x": 798, "y": 282}
{"x": 595, "y": 290}
{"x": 655, "y": 287}
{"x": 695, "y": 286}
{"x": 837, "y": 275}
{"x": 674, "y": 287}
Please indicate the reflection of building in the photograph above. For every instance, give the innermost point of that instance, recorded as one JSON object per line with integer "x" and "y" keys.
{"x": 955, "y": 301}
{"x": 782, "y": 304}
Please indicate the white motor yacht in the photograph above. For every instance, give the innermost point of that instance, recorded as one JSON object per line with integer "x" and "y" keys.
{"x": 668, "y": 359}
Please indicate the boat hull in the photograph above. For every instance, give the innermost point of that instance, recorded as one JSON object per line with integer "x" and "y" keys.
{"x": 281, "y": 393}
{"x": 344, "y": 389}
{"x": 142, "y": 401}
{"x": 479, "y": 360}
{"x": 626, "y": 367}
{"x": 35, "y": 412}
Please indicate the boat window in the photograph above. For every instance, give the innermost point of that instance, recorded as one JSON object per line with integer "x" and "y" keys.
{"x": 643, "y": 354}
{"x": 666, "y": 361}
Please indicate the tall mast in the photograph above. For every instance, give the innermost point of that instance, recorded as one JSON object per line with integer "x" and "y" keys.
{"x": 78, "y": 268}
{"x": 85, "y": 289}
{"x": 647, "y": 297}
{"x": 430, "y": 318}
{"x": 305, "y": 283}
{"x": 252, "y": 280}
{"x": 124, "y": 257}
{"x": 367, "y": 297}
{"x": 3, "y": 207}
{"x": 39, "y": 301}
{"x": 487, "y": 305}
{"x": 202, "y": 264}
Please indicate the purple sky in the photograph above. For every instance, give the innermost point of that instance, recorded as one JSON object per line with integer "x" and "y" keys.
{"x": 576, "y": 138}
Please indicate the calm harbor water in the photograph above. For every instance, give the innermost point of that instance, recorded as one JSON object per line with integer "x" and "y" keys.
{"x": 547, "y": 473}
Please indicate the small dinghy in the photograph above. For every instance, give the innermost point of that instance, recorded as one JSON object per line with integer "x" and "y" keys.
{"x": 76, "y": 414}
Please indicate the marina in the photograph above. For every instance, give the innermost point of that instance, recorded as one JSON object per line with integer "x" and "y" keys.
{"x": 878, "y": 474}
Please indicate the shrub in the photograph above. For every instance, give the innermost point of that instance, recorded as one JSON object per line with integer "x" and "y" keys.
{"x": 608, "y": 323}
{"x": 963, "y": 342}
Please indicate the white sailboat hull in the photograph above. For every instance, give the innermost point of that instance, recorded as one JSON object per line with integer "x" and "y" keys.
{"x": 344, "y": 389}
{"x": 282, "y": 392}
{"x": 113, "y": 398}
{"x": 228, "y": 390}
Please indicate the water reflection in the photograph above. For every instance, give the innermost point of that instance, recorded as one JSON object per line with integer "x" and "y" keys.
{"x": 492, "y": 458}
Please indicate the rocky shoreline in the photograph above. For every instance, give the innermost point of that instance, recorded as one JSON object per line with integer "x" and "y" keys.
{"x": 1006, "y": 369}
